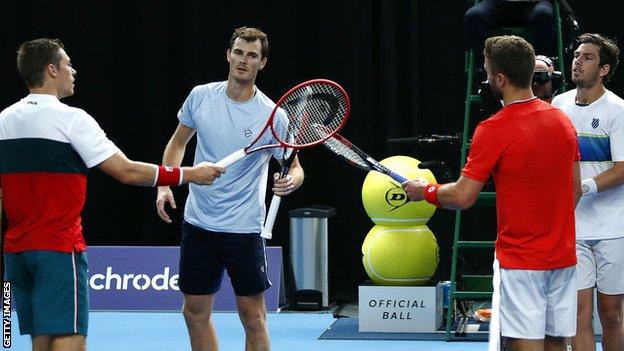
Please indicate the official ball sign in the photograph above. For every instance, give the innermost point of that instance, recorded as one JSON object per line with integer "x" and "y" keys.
{"x": 400, "y": 309}
{"x": 139, "y": 278}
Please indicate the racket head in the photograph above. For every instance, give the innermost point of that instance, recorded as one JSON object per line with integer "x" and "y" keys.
{"x": 314, "y": 102}
{"x": 343, "y": 148}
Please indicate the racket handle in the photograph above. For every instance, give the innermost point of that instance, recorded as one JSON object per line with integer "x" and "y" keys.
{"x": 231, "y": 158}
{"x": 267, "y": 231}
{"x": 399, "y": 178}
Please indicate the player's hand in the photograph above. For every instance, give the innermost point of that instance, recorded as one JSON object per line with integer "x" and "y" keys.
{"x": 163, "y": 196}
{"x": 204, "y": 173}
{"x": 415, "y": 188}
{"x": 283, "y": 186}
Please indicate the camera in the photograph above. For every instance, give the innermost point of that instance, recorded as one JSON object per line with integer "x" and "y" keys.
{"x": 543, "y": 77}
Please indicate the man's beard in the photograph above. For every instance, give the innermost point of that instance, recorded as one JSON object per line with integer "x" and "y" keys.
{"x": 585, "y": 84}
{"x": 497, "y": 93}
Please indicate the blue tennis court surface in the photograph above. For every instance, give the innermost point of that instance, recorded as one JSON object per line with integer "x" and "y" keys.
{"x": 165, "y": 331}
{"x": 153, "y": 331}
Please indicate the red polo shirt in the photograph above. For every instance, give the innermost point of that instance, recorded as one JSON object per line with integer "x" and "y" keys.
{"x": 529, "y": 148}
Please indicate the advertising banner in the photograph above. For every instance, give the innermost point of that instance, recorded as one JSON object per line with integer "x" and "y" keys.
{"x": 139, "y": 278}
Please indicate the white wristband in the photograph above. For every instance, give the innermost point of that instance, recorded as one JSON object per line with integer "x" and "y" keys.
{"x": 156, "y": 175}
{"x": 588, "y": 187}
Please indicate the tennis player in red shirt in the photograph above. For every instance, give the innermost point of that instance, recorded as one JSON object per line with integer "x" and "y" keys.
{"x": 531, "y": 151}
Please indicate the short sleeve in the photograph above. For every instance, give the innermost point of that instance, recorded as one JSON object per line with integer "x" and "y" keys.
{"x": 484, "y": 154}
{"x": 185, "y": 114}
{"x": 90, "y": 141}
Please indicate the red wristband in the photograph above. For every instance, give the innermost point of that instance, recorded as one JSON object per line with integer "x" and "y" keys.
{"x": 431, "y": 194}
{"x": 168, "y": 176}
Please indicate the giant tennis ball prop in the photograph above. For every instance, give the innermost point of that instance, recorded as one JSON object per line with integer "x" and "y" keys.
{"x": 385, "y": 201}
{"x": 399, "y": 255}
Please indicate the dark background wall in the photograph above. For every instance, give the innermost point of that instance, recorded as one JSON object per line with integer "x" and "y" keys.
{"x": 400, "y": 61}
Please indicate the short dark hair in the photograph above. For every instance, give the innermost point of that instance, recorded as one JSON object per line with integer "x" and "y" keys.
{"x": 34, "y": 56}
{"x": 513, "y": 57}
{"x": 608, "y": 51}
{"x": 251, "y": 34}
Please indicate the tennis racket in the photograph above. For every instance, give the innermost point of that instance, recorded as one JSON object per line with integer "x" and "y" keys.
{"x": 287, "y": 160}
{"x": 345, "y": 149}
{"x": 310, "y": 105}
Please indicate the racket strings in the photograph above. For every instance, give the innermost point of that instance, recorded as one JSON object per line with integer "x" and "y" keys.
{"x": 313, "y": 105}
{"x": 346, "y": 152}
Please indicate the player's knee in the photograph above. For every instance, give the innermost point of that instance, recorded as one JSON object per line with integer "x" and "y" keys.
{"x": 195, "y": 314}
{"x": 611, "y": 320}
{"x": 65, "y": 342}
{"x": 253, "y": 321}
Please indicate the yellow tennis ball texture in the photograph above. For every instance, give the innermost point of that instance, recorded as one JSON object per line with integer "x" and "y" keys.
{"x": 386, "y": 202}
{"x": 400, "y": 255}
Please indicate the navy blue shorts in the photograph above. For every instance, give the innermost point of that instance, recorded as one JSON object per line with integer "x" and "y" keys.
{"x": 204, "y": 255}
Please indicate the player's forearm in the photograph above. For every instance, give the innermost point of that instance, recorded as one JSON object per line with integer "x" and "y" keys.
{"x": 129, "y": 172}
{"x": 610, "y": 178}
{"x": 144, "y": 174}
{"x": 139, "y": 173}
{"x": 450, "y": 197}
{"x": 174, "y": 153}
{"x": 459, "y": 195}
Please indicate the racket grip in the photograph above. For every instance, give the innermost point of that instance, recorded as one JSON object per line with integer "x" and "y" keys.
{"x": 267, "y": 231}
{"x": 399, "y": 178}
{"x": 231, "y": 158}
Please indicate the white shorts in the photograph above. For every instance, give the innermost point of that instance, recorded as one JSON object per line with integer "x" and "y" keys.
{"x": 536, "y": 303}
{"x": 601, "y": 265}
